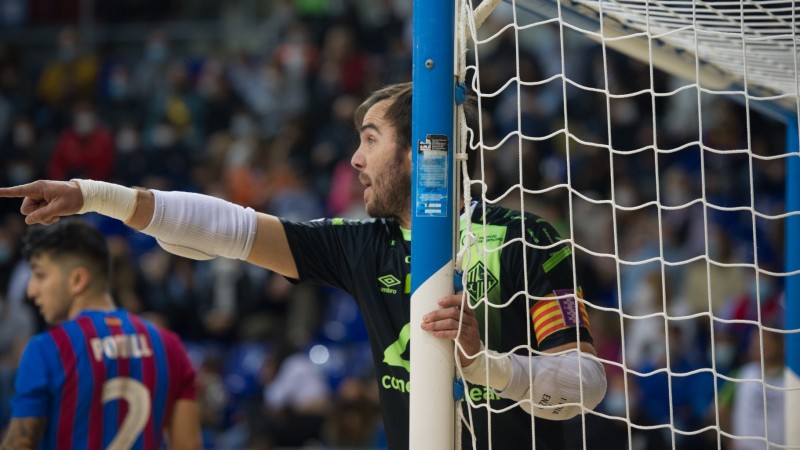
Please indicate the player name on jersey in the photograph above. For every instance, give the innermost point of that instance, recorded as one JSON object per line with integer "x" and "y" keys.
{"x": 121, "y": 346}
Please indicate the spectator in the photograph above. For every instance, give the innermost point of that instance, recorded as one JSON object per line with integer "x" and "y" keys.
{"x": 119, "y": 102}
{"x": 296, "y": 398}
{"x": 332, "y": 144}
{"x": 178, "y": 106}
{"x": 354, "y": 423}
{"x": 752, "y": 398}
{"x": 222, "y": 104}
{"x": 21, "y": 152}
{"x": 132, "y": 164}
{"x": 149, "y": 72}
{"x": 86, "y": 149}
{"x": 169, "y": 158}
{"x": 71, "y": 75}
{"x": 260, "y": 83}
{"x": 680, "y": 401}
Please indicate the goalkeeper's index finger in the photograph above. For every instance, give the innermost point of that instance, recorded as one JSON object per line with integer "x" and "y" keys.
{"x": 23, "y": 190}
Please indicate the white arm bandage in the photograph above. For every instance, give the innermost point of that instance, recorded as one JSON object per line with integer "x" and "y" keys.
{"x": 557, "y": 381}
{"x": 201, "y": 227}
{"x": 108, "y": 199}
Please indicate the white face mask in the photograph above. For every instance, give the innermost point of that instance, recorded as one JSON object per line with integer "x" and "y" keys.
{"x": 84, "y": 123}
{"x": 127, "y": 140}
{"x": 67, "y": 53}
{"x": 5, "y": 252}
{"x": 164, "y": 136}
{"x": 156, "y": 52}
{"x": 118, "y": 87}
{"x": 724, "y": 355}
{"x": 23, "y": 135}
{"x": 241, "y": 125}
{"x": 761, "y": 290}
{"x": 615, "y": 403}
{"x": 19, "y": 173}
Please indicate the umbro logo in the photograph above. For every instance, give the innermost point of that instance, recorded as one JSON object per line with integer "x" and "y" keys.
{"x": 389, "y": 282}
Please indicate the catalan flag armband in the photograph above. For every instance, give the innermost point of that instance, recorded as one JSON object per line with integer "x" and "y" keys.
{"x": 564, "y": 311}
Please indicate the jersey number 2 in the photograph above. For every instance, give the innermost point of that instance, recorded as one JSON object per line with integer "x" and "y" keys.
{"x": 138, "y": 399}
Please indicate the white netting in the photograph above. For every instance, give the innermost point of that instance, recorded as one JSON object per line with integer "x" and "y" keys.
{"x": 755, "y": 43}
{"x": 670, "y": 190}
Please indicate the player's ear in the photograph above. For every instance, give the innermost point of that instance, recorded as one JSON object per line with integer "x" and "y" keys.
{"x": 79, "y": 280}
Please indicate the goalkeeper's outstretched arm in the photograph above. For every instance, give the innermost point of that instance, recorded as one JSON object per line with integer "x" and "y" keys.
{"x": 187, "y": 224}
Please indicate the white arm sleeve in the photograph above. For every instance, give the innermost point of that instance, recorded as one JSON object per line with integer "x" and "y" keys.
{"x": 192, "y": 225}
{"x": 201, "y": 227}
{"x": 557, "y": 381}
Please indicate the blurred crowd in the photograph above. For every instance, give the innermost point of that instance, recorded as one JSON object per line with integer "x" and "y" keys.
{"x": 271, "y": 127}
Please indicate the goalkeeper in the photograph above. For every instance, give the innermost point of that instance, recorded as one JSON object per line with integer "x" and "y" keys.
{"x": 354, "y": 255}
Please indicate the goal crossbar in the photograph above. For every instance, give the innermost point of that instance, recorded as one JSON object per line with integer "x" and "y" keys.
{"x": 698, "y": 40}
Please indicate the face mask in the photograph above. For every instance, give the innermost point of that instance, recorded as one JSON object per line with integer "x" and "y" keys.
{"x": 118, "y": 88}
{"x": 626, "y": 196}
{"x": 20, "y": 173}
{"x": 127, "y": 140}
{"x": 156, "y": 52}
{"x": 713, "y": 249}
{"x": 763, "y": 290}
{"x": 23, "y": 135}
{"x": 724, "y": 355}
{"x": 66, "y": 53}
{"x": 5, "y": 252}
{"x": 675, "y": 195}
{"x": 615, "y": 403}
{"x": 163, "y": 136}
{"x": 83, "y": 123}
{"x": 241, "y": 125}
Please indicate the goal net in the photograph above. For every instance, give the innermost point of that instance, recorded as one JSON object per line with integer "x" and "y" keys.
{"x": 660, "y": 139}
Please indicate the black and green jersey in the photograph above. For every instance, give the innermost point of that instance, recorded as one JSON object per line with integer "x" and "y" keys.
{"x": 371, "y": 259}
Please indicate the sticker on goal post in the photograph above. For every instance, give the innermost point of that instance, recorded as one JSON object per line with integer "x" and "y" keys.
{"x": 432, "y": 179}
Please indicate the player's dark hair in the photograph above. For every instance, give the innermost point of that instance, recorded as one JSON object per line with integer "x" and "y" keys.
{"x": 71, "y": 238}
{"x": 399, "y": 113}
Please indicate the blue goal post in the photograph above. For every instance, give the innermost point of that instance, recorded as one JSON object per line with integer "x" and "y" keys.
{"x": 432, "y": 406}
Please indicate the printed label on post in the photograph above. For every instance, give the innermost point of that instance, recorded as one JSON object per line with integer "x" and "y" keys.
{"x": 432, "y": 179}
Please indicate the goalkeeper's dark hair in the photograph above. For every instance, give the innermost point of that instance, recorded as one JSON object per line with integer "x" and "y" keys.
{"x": 71, "y": 240}
{"x": 399, "y": 113}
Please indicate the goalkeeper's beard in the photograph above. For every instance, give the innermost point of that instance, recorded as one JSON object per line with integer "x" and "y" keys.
{"x": 391, "y": 193}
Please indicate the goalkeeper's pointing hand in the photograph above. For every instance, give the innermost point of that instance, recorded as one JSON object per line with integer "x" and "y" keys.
{"x": 444, "y": 323}
{"x": 46, "y": 202}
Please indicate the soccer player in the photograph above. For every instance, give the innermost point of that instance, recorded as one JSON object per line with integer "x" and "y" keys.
{"x": 99, "y": 377}
{"x": 371, "y": 260}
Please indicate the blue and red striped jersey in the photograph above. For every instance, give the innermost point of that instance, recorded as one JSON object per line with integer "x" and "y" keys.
{"x": 102, "y": 378}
